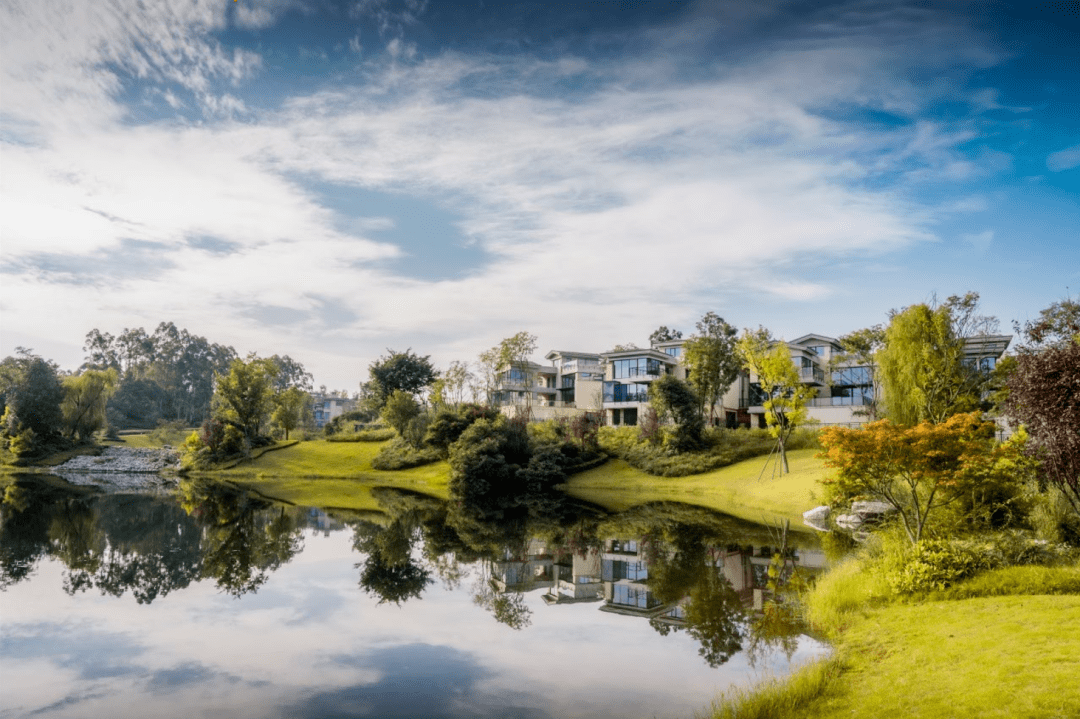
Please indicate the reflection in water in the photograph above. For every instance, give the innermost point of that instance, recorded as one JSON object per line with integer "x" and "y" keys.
{"x": 676, "y": 570}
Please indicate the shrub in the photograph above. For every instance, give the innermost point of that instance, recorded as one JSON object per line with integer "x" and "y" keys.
{"x": 399, "y": 453}
{"x": 934, "y": 564}
{"x": 448, "y": 425}
{"x": 377, "y": 434}
{"x": 399, "y": 410}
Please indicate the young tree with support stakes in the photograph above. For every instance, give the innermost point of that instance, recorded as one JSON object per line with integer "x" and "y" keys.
{"x": 785, "y": 395}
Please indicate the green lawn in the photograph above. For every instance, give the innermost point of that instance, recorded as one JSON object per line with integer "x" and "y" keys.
{"x": 734, "y": 489}
{"x": 325, "y": 474}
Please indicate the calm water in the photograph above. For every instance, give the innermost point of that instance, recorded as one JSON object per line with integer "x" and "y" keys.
{"x": 211, "y": 602}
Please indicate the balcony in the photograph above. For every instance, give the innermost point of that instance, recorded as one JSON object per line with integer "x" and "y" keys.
{"x": 811, "y": 375}
{"x": 579, "y": 366}
{"x": 638, "y": 372}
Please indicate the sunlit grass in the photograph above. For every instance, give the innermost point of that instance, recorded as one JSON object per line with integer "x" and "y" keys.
{"x": 735, "y": 490}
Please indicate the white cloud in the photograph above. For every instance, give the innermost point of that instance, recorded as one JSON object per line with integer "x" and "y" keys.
{"x": 1064, "y": 159}
{"x": 652, "y": 194}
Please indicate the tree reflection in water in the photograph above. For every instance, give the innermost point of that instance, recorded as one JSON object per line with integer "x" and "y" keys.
{"x": 683, "y": 569}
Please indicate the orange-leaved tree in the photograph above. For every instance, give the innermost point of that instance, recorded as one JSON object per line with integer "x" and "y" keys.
{"x": 915, "y": 469}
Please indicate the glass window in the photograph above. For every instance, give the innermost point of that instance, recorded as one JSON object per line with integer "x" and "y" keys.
{"x": 673, "y": 351}
{"x": 636, "y": 367}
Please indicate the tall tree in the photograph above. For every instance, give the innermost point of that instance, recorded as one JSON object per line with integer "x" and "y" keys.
{"x": 712, "y": 360}
{"x": 291, "y": 373}
{"x": 292, "y": 407}
{"x": 785, "y": 396}
{"x": 403, "y": 371}
{"x": 33, "y": 393}
{"x": 922, "y": 370}
{"x": 245, "y": 395}
{"x": 85, "y": 399}
{"x": 1057, "y": 326}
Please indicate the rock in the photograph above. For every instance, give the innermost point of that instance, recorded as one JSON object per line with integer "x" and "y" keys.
{"x": 849, "y": 521}
{"x": 817, "y": 518}
{"x": 867, "y": 509}
{"x": 122, "y": 460}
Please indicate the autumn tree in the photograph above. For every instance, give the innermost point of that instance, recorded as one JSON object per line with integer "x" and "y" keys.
{"x": 785, "y": 395}
{"x": 712, "y": 361}
{"x": 85, "y": 398}
{"x": 916, "y": 469}
{"x": 1057, "y": 326}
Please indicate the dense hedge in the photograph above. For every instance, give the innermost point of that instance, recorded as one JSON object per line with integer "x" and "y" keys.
{"x": 400, "y": 454}
{"x": 379, "y": 434}
{"x": 723, "y": 447}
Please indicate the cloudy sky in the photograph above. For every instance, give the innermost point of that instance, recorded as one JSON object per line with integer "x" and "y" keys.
{"x": 329, "y": 179}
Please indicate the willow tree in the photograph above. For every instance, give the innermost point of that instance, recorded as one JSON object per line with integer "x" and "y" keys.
{"x": 785, "y": 395}
{"x": 86, "y": 396}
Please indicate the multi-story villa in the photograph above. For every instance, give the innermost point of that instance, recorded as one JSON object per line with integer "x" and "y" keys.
{"x": 617, "y": 383}
{"x": 325, "y": 408}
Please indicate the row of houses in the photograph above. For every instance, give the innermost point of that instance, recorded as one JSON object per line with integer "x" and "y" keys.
{"x": 617, "y": 383}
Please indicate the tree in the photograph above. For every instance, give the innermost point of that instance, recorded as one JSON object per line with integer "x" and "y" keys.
{"x": 85, "y": 398}
{"x": 674, "y": 398}
{"x": 1057, "y": 326}
{"x": 403, "y": 371}
{"x": 489, "y": 369}
{"x": 785, "y": 396}
{"x": 1044, "y": 396}
{"x": 663, "y": 334}
{"x": 922, "y": 370}
{"x": 514, "y": 353}
{"x": 455, "y": 380}
{"x": 399, "y": 410}
{"x": 33, "y": 393}
{"x": 291, "y": 374}
{"x": 915, "y": 469}
{"x": 712, "y": 360}
{"x": 291, "y": 407}
{"x": 245, "y": 395}
{"x": 860, "y": 348}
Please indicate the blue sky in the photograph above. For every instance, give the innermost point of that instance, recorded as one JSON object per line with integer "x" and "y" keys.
{"x": 329, "y": 179}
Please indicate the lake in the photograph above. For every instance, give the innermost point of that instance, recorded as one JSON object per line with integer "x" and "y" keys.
{"x": 211, "y": 601}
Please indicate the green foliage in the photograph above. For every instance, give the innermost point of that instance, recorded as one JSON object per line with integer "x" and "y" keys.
{"x": 244, "y": 396}
{"x": 448, "y": 425}
{"x": 786, "y": 396}
{"x": 922, "y": 374}
{"x": 345, "y": 422}
{"x": 292, "y": 409}
{"x": 712, "y": 360}
{"x": 399, "y": 372}
{"x": 934, "y": 564}
{"x": 674, "y": 398}
{"x": 399, "y": 453}
{"x": 663, "y": 334}
{"x": 400, "y": 409}
{"x": 1015, "y": 580}
{"x": 723, "y": 447}
{"x": 379, "y": 434}
{"x": 85, "y": 399}
{"x": 778, "y": 698}
{"x": 860, "y": 348}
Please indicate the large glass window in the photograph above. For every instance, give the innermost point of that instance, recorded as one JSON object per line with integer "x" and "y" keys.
{"x": 673, "y": 351}
{"x": 634, "y": 392}
{"x": 851, "y": 386}
{"x": 637, "y": 367}
{"x": 568, "y": 382}
{"x": 615, "y": 569}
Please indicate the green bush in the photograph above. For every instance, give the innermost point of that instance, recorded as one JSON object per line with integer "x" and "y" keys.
{"x": 935, "y": 564}
{"x": 379, "y": 434}
{"x": 723, "y": 447}
{"x": 399, "y": 453}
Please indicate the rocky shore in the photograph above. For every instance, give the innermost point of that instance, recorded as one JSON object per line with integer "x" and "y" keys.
{"x": 121, "y": 468}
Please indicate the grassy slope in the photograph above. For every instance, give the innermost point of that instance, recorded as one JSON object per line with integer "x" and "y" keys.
{"x": 734, "y": 490}
{"x": 324, "y": 474}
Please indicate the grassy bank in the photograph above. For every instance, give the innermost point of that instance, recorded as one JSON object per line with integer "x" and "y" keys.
{"x": 1003, "y": 643}
{"x": 734, "y": 490}
{"x": 326, "y": 474}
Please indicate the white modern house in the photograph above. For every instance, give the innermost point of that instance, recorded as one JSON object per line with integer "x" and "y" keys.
{"x": 325, "y": 408}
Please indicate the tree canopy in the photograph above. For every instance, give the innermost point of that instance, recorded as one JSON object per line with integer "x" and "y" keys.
{"x": 712, "y": 360}
{"x": 663, "y": 334}
{"x": 402, "y": 371}
{"x": 245, "y": 395}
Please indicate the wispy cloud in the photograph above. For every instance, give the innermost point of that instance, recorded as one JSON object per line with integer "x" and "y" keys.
{"x": 585, "y": 181}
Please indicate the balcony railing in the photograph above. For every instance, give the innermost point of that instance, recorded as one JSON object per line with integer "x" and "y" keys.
{"x": 811, "y": 374}
{"x": 576, "y": 366}
{"x": 638, "y": 372}
{"x": 838, "y": 402}
{"x": 635, "y": 397}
